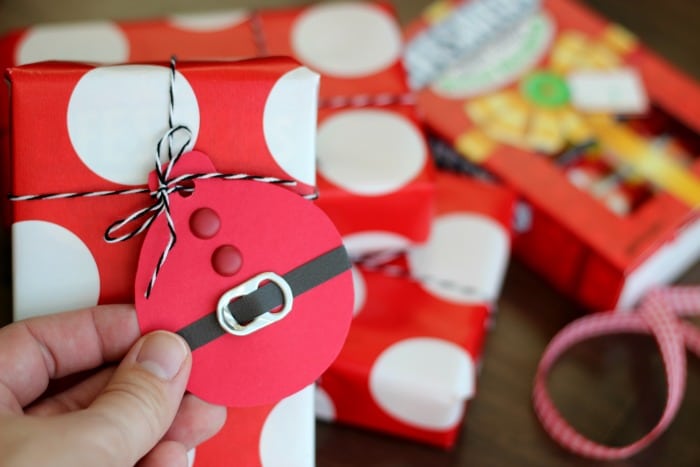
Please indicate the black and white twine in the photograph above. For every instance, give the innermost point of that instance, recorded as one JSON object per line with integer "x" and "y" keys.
{"x": 167, "y": 185}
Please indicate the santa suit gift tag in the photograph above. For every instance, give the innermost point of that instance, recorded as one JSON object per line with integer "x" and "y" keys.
{"x": 257, "y": 282}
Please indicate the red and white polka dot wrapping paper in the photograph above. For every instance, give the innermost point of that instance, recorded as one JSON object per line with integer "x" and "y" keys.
{"x": 77, "y": 128}
{"x": 372, "y": 155}
{"x": 374, "y": 174}
{"x": 409, "y": 364}
{"x": 374, "y": 169}
{"x": 277, "y": 435}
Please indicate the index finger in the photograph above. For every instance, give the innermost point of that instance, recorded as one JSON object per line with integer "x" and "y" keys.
{"x": 34, "y": 351}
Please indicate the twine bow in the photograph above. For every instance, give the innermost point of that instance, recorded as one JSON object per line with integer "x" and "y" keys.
{"x": 166, "y": 186}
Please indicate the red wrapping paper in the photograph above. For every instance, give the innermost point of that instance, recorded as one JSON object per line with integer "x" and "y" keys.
{"x": 277, "y": 435}
{"x": 409, "y": 365}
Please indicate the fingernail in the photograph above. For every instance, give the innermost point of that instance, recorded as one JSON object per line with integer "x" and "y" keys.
{"x": 162, "y": 354}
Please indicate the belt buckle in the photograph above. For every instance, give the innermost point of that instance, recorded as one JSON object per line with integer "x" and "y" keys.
{"x": 229, "y": 323}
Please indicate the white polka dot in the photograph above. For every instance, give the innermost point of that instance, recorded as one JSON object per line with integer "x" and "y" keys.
{"x": 190, "y": 457}
{"x": 53, "y": 270}
{"x": 287, "y": 438}
{"x": 464, "y": 259}
{"x": 423, "y": 382}
{"x": 119, "y": 145}
{"x": 360, "y": 243}
{"x": 347, "y": 39}
{"x": 370, "y": 152}
{"x": 102, "y": 42}
{"x": 289, "y": 123}
{"x": 360, "y": 289}
{"x": 324, "y": 406}
{"x": 209, "y": 21}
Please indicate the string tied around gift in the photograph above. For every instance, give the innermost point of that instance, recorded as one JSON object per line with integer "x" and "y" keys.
{"x": 660, "y": 315}
{"x": 167, "y": 184}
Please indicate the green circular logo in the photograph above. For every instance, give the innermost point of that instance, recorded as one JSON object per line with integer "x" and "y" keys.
{"x": 545, "y": 89}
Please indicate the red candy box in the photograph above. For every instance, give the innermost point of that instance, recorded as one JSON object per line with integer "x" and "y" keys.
{"x": 596, "y": 133}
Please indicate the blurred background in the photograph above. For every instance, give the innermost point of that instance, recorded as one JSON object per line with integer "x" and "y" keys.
{"x": 613, "y": 390}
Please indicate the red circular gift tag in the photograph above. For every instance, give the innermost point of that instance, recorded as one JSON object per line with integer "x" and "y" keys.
{"x": 262, "y": 228}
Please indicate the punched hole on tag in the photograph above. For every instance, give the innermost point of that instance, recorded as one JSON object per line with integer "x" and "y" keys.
{"x": 186, "y": 188}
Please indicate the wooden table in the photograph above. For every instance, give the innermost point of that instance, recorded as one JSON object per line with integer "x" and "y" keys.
{"x": 613, "y": 389}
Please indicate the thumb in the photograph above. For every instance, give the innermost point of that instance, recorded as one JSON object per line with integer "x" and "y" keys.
{"x": 139, "y": 403}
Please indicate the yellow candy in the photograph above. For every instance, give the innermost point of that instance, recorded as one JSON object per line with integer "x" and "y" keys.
{"x": 475, "y": 146}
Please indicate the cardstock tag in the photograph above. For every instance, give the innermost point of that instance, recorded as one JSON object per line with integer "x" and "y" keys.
{"x": 227, "y": 233}
{"x": 619, "y": 91}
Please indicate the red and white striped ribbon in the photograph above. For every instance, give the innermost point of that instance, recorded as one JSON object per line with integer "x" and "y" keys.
{"x": 659, "y": 315}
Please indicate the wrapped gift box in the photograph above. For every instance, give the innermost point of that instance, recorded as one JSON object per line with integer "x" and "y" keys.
{"x": 372, "y": 154}
{"x": 595, "y": 132}
{"x": 409, "y": 364}
{"x": 78, "y": 128}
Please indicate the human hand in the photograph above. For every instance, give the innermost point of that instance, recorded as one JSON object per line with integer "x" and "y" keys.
{"x": 116, "y": 416}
